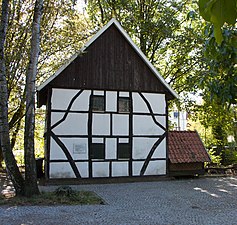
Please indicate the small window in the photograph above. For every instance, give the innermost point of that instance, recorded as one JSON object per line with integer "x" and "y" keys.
{"x": 98, "y": 103}
{"x": 97, "y": 151}
{"x": 124, "y": 104}
{"x": 124, "y": 151}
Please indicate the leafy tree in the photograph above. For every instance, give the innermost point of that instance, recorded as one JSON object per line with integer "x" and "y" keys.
{"x": 218, "y": 118}
{"x": 164, "y": 32}
{"x": 218, "y": 12}
{"x": 220, "y": 63}
{"x": 217, "y": 77}
{"x": 56, "y": 20}
{"x": 11, "y": 165}
{"x": 63, "y": 31}
{"x": 29, "y": 186}
{"x": 218, "y": 83}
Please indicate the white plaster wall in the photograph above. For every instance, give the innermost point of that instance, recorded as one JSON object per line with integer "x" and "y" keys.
{"x": 75, "y": 123}
{"x": 64, "y": 170}
{"x": 62, "y": 97}
{"x": 119, "y": 169}
{"x": 82, "y": 101}
{"x": 142, "y": 147}
{"x": 160, "y": 151}
{"x": 120, "y": 124}
{"x": 136, "y": 168}
{"x": 55, "y": 151}
{"x": 100, "y": 169}
{"x": 97, "y": 140}
{"x": 156, "y": 168}
{"x": 123, "y": 140}
{"x": 81, "y": 142}
{"x": 111, "y": 101}
{"x": 55, "y": 117}
{"x": 139, "y": 106}
{"x": 123, "y": 94}
{"x": 144, "y": 125}
{"x": 111, "y": 148}
{"x": 83, "y": 168}
{"x": 100, "y": 124}
{"x": 157, "y": 102}
{"x": 98, "y": 92}
{"x": 61, "y": 170}
{"x": 161, "y": 120}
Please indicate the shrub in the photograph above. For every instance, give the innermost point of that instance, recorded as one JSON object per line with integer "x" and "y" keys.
{"x": 214, "y": 157}
{"x": 229, "y": 156}
{"x": 64, "y": 191}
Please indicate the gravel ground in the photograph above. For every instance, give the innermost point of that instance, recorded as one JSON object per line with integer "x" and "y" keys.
{"x": 207, "y": 201}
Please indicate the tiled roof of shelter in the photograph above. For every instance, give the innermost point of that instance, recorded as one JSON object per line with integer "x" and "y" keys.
{"x": 186, "y": 147}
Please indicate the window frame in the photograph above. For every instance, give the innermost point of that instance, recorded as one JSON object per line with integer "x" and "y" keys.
{"x": 92, "y": 151}
{"x": 120, "y": 152}
{"x": 93, "y": 100}
{"x": 128, "y": 103}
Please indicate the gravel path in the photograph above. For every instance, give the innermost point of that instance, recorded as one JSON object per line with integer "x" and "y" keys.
{"x": 179, "y": 202}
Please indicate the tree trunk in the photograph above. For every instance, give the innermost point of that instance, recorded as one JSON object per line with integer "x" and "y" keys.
{"x": 31, "y": 187}
{"x": 11, "y": 166}
{"x": 1, "y": 156}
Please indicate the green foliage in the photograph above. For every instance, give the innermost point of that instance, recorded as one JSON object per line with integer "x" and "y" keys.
{"x": 39, "y": 132}
{"x": 220, "y": 81}
{"x": 228, "y": 156}
{"x": 224, "y": 155}
{"x": 166, "y": 31}
{"x": 217, "y": 80}
{"x": 218, "y": 12}
{"x": 214, "y": 158}
{"x": 204, "y": 132}
{"x": 218, "y": 119}
{"x": 63, "y": 31}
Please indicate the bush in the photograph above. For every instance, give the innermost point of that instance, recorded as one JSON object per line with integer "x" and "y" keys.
{"x": 214, "y": 157}
{"x": 229, "y": 156}
{"x": 64, "y": 191}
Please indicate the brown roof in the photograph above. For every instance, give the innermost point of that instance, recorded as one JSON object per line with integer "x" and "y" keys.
{"x": 110, "y": 61}
{"x": 186, "y": 147}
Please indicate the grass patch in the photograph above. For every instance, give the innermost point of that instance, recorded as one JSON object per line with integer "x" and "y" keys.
{"x": 58, "y": 197}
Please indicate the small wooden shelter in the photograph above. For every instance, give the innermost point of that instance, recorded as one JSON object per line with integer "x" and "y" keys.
{"x": 187, "y": 153}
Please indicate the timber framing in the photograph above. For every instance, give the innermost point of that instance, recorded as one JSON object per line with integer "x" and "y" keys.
{"x": 107, "y": 112}
{"x": 89, "y": 136}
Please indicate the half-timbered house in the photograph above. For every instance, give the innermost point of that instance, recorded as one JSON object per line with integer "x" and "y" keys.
{"x": 107, "y": 112}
